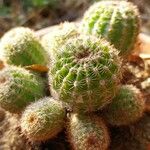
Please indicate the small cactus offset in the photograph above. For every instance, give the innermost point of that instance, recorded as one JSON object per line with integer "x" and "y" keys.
{"x": 126, "y": 108}
{"x": 43, "y": 119}
{"x": 116, "y": 21}
{"x": 59, "y": 35}
{"x": 85, "y": 74}
{"x": 21, "y": 47}
{"x": 87, "y": 133}
{"x": 18, "y": 88}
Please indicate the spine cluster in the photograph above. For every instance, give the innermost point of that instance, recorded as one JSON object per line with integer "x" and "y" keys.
{"x": 84, "y": 73}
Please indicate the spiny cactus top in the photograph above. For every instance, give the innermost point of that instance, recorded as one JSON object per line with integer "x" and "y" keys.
{"x": 87, "y": 133}
{"x": 86, "y": 73}
{"x": 20, "y": 46}
{"x": 117, "y": 21}
{"x": 55, "y": 39}
{"x": 43, "y": 119}
{"x": 19, "y": 87}
{"x": 127, "y": 106}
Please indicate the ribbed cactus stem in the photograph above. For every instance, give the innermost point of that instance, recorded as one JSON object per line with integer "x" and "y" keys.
{"x": 116, "y": 21}
{"x": 85, "y": 74}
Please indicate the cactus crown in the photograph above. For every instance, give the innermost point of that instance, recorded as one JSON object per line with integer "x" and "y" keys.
{"x": 116, "y": 21}
{"x": 20, "y": 46}
{"x": 85, "y": 73}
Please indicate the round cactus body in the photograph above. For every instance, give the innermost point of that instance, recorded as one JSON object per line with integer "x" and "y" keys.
{"x": 21, "y": 47}
{"x": 87, "y": 133}
{"x": 127, "y": 106}
{"x": 43, "y": 119}
{"x": 57, "y": 37}
{"x": 116, "y": 21}
{"x": 19, "y": 87}
{"x": 85, "y": 74}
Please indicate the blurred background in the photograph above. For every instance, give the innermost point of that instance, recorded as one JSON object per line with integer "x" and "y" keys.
{"x": 38, "y": 14}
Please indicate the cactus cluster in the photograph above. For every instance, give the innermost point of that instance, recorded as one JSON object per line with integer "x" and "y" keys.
{"x": 84, "y": 76}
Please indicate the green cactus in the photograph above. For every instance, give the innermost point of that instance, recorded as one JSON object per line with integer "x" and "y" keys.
{"x": 116, "y": 21}
{"x": 87, "y": 133}
{"x": 57, "y": 37}
{"x": 85, "y": 74}
{"x": 19, "y": 87}
{"x": 126, "y": 108}
{"x": 21, "y": 47}
{"x": 43, "y": 119}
